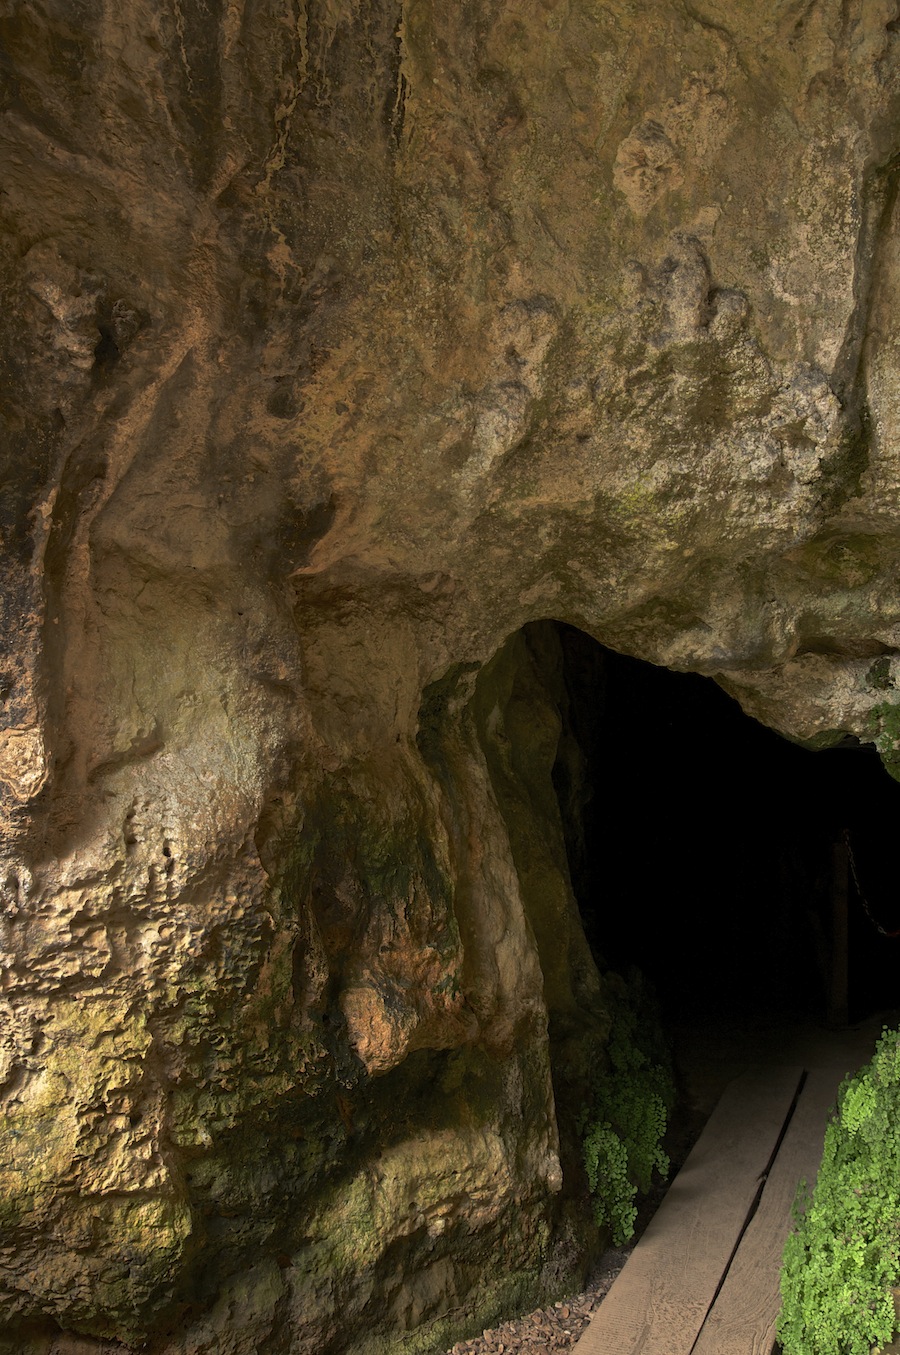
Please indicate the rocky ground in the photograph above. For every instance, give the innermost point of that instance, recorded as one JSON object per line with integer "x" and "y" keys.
{"x": 554, "y": 1328}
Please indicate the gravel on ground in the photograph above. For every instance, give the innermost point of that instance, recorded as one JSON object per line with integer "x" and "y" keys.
{"x": 555, "y": 1328}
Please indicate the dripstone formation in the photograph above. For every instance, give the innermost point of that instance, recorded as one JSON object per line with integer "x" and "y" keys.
{"x": 341, "y": 341}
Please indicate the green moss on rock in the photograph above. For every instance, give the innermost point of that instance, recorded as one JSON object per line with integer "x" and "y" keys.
{"x": 884, "y": 724}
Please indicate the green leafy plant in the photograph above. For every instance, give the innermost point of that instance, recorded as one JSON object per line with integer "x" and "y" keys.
{"x": 623, "y": 1124}
{"x": 606, "y": 1163}
{"x": 843, "y": 1256}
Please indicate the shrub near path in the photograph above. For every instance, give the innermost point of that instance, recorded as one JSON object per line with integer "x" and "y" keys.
{"x": 843, "y": 1257}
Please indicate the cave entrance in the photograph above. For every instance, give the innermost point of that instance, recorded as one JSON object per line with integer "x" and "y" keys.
{"x": 702, "y": 846}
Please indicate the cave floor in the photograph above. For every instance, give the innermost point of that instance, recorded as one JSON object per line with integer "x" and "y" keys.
{"x": 711, "y": 1051}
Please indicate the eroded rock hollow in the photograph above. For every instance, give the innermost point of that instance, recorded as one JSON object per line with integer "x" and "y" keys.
{"x": 340, "y": 342}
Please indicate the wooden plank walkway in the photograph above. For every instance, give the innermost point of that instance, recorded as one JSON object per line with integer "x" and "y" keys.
{"x": 742, "y": 1319}
{"x": 703, "y": 1279}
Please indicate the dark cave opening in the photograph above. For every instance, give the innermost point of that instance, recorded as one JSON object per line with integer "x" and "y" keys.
{"x": 701, "y": 845}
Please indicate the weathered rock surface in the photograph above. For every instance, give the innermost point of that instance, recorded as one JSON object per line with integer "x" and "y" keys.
{"x": 341, "y": 341}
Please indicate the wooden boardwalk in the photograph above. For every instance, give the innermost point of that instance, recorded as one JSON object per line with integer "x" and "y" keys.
{"x": 703, "y": 1279}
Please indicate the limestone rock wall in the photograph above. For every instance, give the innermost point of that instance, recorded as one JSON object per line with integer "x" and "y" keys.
{"x": 339, "y": 342}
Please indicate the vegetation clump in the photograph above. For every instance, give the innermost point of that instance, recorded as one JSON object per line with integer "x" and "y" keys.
{"x": 843, "y": 1256}
{"x": 623, "y": 1124}
{"x": 884, "y": 723}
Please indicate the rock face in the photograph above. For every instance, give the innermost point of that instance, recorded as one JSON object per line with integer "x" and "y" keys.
{"x": 340, "y": 342}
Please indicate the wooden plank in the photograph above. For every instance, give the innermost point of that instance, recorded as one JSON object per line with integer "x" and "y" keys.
{"x": 659, "y": 1301}
{"x": 742, "y": 1319}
